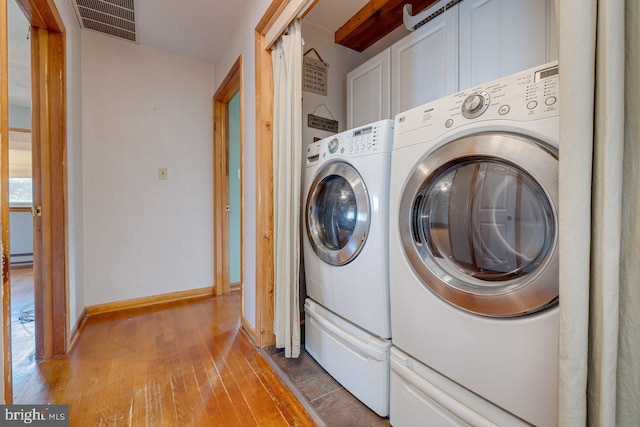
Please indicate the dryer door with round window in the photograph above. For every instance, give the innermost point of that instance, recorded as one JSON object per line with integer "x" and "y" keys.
{"x": 337, "y": 213}
{"x": 478, "y": 223}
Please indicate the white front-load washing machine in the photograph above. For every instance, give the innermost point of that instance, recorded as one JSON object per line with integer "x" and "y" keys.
{"x": 473, "y": 252}
{"x": 345, "y": 243}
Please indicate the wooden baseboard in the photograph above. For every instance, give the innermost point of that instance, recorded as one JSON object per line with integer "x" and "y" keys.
{"x": 233, "y": 287}
{"x": 249, "y": 329}
{"x": 77, "y": 330}
{"x": 17, "y": 266}
{"x": 147, "y": 301}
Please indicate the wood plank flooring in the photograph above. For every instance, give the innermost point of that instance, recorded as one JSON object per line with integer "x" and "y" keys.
{"x": 22, "y": 338}
{"x": 180, "y": 364}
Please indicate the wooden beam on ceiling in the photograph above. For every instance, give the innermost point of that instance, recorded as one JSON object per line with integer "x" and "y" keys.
{"x": 374, "y": 21}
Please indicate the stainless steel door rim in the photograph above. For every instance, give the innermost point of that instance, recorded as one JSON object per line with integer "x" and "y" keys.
{"x": 337, "y": 213}
{"x": 489, "y": 245}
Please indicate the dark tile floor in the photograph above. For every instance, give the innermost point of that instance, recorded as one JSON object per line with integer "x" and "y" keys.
{"x": 332, "y": 404}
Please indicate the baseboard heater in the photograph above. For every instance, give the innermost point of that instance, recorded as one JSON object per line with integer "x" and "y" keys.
{"x": 21, "y": 258}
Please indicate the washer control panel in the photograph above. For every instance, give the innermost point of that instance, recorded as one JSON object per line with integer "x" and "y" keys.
{"x": 362, "y": 141}
{"x": 526, "y": 96}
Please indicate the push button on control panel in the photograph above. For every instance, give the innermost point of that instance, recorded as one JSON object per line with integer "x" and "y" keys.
{"x": 448, "y": 123}
{"x": 532, "y": 104}
{"x": 504, "y": 110}
{"x": 551, "y": 100}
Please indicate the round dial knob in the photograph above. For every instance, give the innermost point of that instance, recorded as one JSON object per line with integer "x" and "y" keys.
{"x": 475, "y": 104}
{"x": 333, "y": 145}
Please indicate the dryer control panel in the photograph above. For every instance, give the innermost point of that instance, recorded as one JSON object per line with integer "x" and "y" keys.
{"x": 526, "y": 96}
{"x": 365, "y": 140}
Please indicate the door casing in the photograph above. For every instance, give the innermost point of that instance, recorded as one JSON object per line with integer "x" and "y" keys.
{"x": 48, "y": 81}
{"x": 276, "y": 16}
{"x": 230, "y": 86}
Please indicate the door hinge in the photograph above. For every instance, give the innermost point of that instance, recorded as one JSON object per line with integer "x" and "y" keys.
{"x": 36, "y": 211}
{"x": 227, "y": 208}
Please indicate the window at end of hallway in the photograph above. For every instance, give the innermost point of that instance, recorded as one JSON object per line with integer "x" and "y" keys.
{"x": 20, "y": 172}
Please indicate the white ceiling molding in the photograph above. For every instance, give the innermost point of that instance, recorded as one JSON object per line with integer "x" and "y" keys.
{"x": 116, "y": 18}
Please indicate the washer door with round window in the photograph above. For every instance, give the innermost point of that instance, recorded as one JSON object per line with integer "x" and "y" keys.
{"x": 337, "y": 213}
{"x": 478, "y": 223}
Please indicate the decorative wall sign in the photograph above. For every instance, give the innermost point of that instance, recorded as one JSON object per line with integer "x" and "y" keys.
{"x": 314, "y": 76}
{"x": 322, "y": 123}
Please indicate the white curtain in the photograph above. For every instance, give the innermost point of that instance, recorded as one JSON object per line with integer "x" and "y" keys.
{"x": 599, "y": 57}
{"x": 287, "y": 163}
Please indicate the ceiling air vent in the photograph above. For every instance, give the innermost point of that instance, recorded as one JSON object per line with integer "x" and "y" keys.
{"x": 115, "y": 18}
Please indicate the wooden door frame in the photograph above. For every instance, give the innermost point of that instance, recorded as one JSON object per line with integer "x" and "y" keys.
{"x": 230, "y": 86}
{"x": 48, "y": 85}
{"x": 7, "y": 391}
{"x": 264, "y": 180}
{"x": 277, "y": 16}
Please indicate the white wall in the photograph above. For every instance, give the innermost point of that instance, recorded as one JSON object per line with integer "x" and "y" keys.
{"x": 143, "y": 109}
{"x": 19, "y": 117}
{"x": 341, "y": 60}
{"x": 21, "y": 237}
{"x": 241, "y": 42}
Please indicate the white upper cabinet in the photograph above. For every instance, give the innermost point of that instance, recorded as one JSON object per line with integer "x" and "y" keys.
{"x": 502, "y": 37}
{"x": 369, "y": 91}
{"x": 424, "y": 65}
{"x": 473, "y": 42}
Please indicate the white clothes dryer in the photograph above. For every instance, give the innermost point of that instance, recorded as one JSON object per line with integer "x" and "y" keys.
{"x": 345, "y": 243}
{"x": 473, "y": 241}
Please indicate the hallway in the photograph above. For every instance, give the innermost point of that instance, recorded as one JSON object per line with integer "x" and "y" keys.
{"x": 177, "y": 364}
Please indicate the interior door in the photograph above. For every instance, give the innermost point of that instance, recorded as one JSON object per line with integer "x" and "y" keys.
{"x": 233, "y": 172}
{"x": 494, "y": 210}
{"x": 227, "y": 206}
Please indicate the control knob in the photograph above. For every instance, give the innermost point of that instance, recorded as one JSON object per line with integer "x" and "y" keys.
{"x": 475, "y": 104}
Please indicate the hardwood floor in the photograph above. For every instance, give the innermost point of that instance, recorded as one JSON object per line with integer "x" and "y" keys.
{"x": 180, "y": 364}
{"x": 22, "y": 330}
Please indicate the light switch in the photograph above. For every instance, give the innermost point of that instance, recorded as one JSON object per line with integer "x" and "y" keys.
{"x": 162, "y": 173}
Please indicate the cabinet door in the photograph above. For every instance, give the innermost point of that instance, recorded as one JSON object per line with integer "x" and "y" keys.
{"x": 424, "y": 65}
{"x": 368, "y": 91}
{"x": 502, "y": 37}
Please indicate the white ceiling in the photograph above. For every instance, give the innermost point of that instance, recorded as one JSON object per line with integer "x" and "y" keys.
{"x": 19, "y": 57}
{"x": 332, "y": 14}
{"x": 194, "y": 28}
